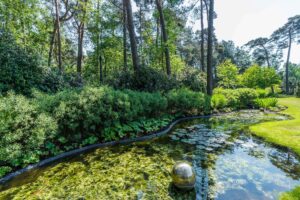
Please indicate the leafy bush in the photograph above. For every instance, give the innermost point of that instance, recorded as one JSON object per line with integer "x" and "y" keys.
{"x": 227, "y": 73}
{"x": 262, "y": 93}
{"x": 193, "y": 79}
{"x": 19, "y": 69}
{"x": 53, "y": 81}
{"x": 23, "y": 131}
{"x": 238, "y": 98}
{"x": 218, "y": 101}
{"x": 260, "y": 77}
{"x": 145, "y": 79}
{"x": 246, "y": 97}
{"x": 81, "y": 114}
{"x": 265, "y": 103}
{"x": 187, "y": 101}
{"x": 291, "y": 195}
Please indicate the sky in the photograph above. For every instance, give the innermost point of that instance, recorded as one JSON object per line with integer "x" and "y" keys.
{"x": 244, "y": 20}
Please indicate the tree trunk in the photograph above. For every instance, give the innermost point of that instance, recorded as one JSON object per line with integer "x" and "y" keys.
{"x": 124, "y": 37}
{"x": 157, "y": 33}
{"x": 140, "y": 32}
{"x": 210, "y": 48}
{"x": 57, "y": 5}
{"x": 130, "y": 24}
{"x": 80, "y": 50}
{"x": 101, "y": 69}
{"x": 52, "y": 40}
{"x": 287, "y": 63}
{"x": 267, "y": 55}
{"x": 202, "y": 37}
{"x": 165, "y": 35}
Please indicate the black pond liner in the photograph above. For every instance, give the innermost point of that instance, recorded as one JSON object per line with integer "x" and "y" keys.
{"x": 75, "y": 152}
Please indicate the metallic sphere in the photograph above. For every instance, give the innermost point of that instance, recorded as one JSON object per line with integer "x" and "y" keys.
{"x": 183, "y": 176}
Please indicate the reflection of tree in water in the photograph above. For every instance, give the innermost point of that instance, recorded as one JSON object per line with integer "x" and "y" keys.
{"x": 287, "y": 162}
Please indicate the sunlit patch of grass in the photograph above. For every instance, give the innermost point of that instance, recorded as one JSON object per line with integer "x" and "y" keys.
{"x": 284, "y": 133}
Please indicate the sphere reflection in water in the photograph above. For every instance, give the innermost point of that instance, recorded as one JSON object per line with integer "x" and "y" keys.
{"x": 183, "y": 176}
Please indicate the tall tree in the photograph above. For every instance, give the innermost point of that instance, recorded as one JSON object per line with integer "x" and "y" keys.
{"x": 57, "y": 20}
{"x": 132, "y": 36}
{"x": 264, "y": 44}
{"x": 164, "y": 35}
{"x": 284, "y": 37}
{"x": 80, "y": 26}
{"x": 56, "y": 33}
{"x": 124, "y": 36}
{"x": 202, "y": 35}
{"x": 210, "y": 48}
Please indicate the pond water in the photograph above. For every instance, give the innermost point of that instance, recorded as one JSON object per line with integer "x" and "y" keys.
{"x": 230, "y": 164}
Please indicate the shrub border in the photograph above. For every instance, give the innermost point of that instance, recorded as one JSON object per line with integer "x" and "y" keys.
{"x": 86, "y": 149}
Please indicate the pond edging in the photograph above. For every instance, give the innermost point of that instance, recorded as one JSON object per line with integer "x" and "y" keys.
{"x": 74, "y": 152}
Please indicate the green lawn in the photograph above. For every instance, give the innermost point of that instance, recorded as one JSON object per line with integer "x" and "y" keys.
{"x": 284, "y": 133}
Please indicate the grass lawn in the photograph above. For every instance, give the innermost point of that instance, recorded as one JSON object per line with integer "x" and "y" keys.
{"x": 284, "y": 133}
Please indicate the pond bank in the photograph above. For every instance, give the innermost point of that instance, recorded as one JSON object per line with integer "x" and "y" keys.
{"x": 220, "y": 148}
{"x": 285, "y": 133}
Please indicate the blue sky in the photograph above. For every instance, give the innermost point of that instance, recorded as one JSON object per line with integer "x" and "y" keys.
{"x": 244, "y": 20}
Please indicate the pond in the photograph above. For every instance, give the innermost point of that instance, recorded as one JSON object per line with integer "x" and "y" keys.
{"x": 229, "y": 162}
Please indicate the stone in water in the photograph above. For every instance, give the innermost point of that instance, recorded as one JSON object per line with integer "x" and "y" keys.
{"x": 183, "y": 176}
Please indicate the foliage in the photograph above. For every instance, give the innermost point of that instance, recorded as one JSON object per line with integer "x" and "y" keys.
{"x": 238, "y": 98}
{"x": 298, "y": 91}
{"x": 53, "y": 81}
{"x": 23, "y": 131}
{"x": 265, "y": 103}
{"x": 260, "y": 77}
{"x": 227, "y": 74}
{"x": 82, "y": 113}
{"x": 145, "y": 79}
{"x": 218, "y": 101}
{"x": 193, "y": 79}
{"x": 187, "y": 101}
{"x": 20, "y": 69}
{"x": 291, "y": 195}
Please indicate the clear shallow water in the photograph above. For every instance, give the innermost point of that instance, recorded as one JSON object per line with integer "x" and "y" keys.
{"x": 230, "y": 164}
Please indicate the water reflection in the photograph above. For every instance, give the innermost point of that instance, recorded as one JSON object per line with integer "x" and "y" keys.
{"x": 229, "y": 163}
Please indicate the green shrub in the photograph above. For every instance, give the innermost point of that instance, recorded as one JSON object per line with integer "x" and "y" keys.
{"x": 187, "y": 101}
{"x": 238, "y": 98}
{"x": 246, "y": 97}
{"x": 291, "y": 195}
{"x": 145, "y": 79}
{"x": 194, "y": 79}
{"x": 23, "y": 131}
{"x": 262, "y": 93}
{"x": 265, "y": 103}
{"x": 81, "y": 114}
{"x": 232, "y": 96}
{"x": 218, "y": 101}
{"x": 53, "y": 81}
{"x": 19, "y": 69}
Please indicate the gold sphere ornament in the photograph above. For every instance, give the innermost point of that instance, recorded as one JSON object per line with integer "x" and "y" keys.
{"x": 183, "y": 175}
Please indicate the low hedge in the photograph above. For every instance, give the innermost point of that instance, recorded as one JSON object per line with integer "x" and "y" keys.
{"x": 46, "y": 125}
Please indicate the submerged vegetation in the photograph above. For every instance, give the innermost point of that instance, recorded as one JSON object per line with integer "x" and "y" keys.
{"x": 219, "y": 148}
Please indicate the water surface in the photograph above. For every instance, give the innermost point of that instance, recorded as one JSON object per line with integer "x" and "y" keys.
{"x": 229, "y": 162}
